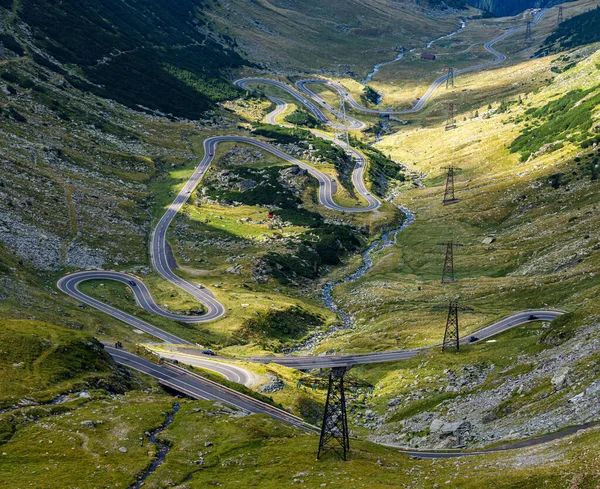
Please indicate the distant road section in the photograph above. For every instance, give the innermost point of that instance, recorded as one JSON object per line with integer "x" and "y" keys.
{"x": 328, "y": 361}
{"x": 312, "y": 100}
{"x": 309, "y": 104}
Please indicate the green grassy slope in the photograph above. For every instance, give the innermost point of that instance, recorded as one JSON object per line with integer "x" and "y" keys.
{"x": 85, "y": 179}
{"x": 529, "y": 182}
{"x": 212, "y": 446}
{"x": 332, "y": 37}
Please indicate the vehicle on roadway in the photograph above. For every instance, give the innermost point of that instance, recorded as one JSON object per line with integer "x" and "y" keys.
{"x": 208, "y": 352}
{"x": 132, "y": 283}
{"x": 473, "y": 339}
{"x": 532, "y": 317}
{"x": 210, "y": 154}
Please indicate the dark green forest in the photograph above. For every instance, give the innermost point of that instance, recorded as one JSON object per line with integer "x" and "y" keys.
{"x": 576, "y": 31}
{"x": 511, "y": 7}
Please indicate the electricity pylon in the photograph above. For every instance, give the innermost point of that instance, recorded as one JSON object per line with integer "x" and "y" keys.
{"x": 448, "y": 270}
{"x": 450, "y": 78}
{"x": 449, "y": 197}
{"x": 528, "y": 35}
{"x": 451, "y": 338}
{"x": 334, "y": 429}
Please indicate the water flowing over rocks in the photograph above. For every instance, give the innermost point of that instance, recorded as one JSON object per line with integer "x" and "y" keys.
{"x": 387, "y": 239}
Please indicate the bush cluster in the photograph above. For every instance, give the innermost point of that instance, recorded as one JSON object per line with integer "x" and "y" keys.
{"x": 576, "y": 31}
{"x": 291, "y": 323}
{"x": 568, "y": 118}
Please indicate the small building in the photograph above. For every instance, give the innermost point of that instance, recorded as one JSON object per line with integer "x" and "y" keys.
{"x": 428, "y": 56}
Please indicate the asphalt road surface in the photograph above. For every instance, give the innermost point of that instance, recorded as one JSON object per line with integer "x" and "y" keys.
{"x": 199, "y": 388}
{"x": 230, "y": 371}
{"x": 160, "y": 254}
{"x": 305, "y": 94}
{"x": 328, "y": 361}
{"x": 351, "y": 123}
{"x": 360, "y": 162}
{"x": 69, "y": 283}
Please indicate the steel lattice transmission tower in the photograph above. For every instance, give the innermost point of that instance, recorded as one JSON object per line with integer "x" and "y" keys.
{"x": 449, "y": 197}
{"x": 448, "y": 270}
{"x": 528, "y": 35}
{"x": 450, "y": 122}
{"x": 451, "y": 338}
{"x": 560, "y": 17}
{"x": 334, "y": 429}
{"x": 450, "y": 78}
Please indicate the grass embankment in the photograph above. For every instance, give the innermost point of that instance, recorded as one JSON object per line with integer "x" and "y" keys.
{"x": 541, "y": 218}
{"x": 40, "y": 361}
{"x": 404, "y": 81}
{"x": 212, "y": 446}
{"x": 538, "y": 231}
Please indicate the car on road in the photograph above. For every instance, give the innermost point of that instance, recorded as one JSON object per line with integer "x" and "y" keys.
{"x": 210, "y": 154}
{"x": 532, "y": 317}
{"x": 473, "y": 339}
{"x": 208, "y": 352}
{"x": 132, "y": 283}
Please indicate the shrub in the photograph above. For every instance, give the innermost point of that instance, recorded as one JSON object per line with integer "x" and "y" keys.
{"x": 303, "y": 118}
{"x": 291, "y": 323}
{"x": 569, "y": 117}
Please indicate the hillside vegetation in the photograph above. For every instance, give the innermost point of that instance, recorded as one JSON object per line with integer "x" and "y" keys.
{"x": 336, "y": 37}
{"x": 149, "y": 53}
{"x": 573, "y": 32}
{"x": 99, "y": 136}
{"x": 537, "y": 210}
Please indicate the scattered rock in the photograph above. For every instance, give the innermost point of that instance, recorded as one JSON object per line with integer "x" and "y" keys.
{"x": 273, "y": 384}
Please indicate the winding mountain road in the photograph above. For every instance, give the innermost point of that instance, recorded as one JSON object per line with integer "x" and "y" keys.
{"x": 309, "y": 104}
{"x": 305, "y": 93}
{"x": 160, "y": 253}
{"x": 200, "y": 388}
{"x": 485, "y": 333}
{"x": 327, "y": 188}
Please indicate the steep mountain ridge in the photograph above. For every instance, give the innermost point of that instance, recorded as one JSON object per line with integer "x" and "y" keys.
{"x": 147, "y": 53}
{"x": 334, "y": 37}
{"x": 511, "y": 7}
